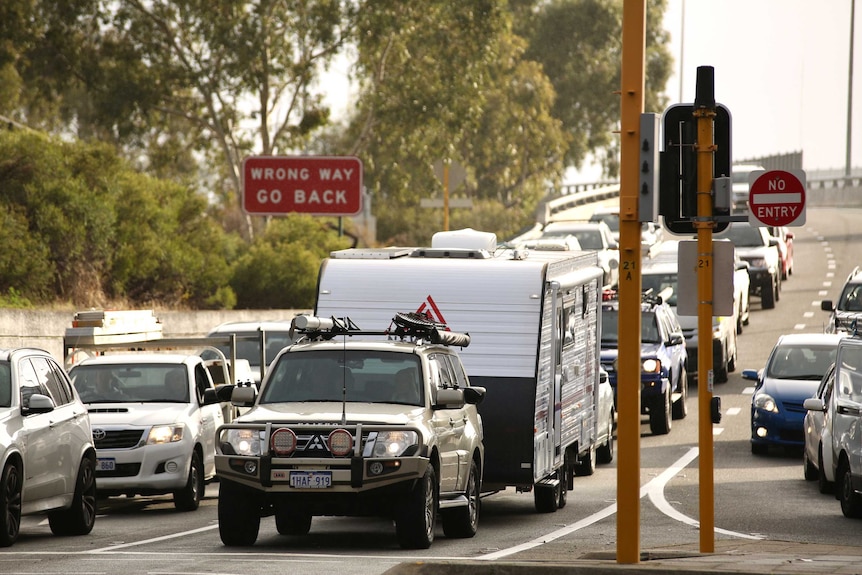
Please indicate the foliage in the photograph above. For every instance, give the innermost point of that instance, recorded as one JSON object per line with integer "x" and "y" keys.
{"x": 579, "y": 45}
{"x": 280, "y": 269}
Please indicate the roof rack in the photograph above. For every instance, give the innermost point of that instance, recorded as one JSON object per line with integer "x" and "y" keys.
{"x": 415, "y": 326}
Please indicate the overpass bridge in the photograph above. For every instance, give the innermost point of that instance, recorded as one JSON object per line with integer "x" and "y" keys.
{"x": 824, "y": 189}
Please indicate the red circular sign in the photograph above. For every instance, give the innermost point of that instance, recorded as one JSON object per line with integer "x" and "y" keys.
{"x": 777, "y": 198}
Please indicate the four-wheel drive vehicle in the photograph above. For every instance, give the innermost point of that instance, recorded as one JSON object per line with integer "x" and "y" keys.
{"x": 47, "y": 459}
{"x": 379, "y": 423}
{"x": 154, "y": 418}
{"x": 840, "y": 400}
{"x": 740, "y": 174}
{"x": 664, "y": 379}
{"x": 845, "y": 314}
{"x": 756, "y": 246}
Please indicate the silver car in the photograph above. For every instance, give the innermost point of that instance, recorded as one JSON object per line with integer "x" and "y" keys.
{"x": 47, "y": 456}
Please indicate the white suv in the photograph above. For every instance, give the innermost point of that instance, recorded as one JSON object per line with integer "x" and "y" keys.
{"x": 46, "y": 451}
{"x": 839, "y": 453}
{"x": 154, "y": 418}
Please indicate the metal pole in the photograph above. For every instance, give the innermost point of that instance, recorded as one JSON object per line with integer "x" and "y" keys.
{"x": 704, "y": 111}
{"x": 629, "y": 359}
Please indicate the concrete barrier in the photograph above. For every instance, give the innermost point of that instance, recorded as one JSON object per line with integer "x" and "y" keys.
{"x": 46, "y": 329}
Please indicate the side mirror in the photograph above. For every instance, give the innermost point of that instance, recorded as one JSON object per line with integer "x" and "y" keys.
{"x": 224, "y": 392}
{"x": 749, "y": 374}
{"x": 676, "y": 339}
{"x": 814, "y": 404}
{"x": 211, "y": 397}
{"x": 243, "y": 396}
{"x": 450, "y": 399}
{"x": 39, "y": 403}
{"x": 827, "y": 305}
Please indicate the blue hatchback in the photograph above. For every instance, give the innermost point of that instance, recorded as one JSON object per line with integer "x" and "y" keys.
{"x": 791, "y": 375}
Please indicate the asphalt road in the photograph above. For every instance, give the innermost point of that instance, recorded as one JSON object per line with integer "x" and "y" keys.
{"x": 757, "y": 498}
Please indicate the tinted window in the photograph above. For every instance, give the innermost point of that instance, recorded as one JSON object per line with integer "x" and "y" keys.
{"x": 801, "y": 362}
{"x": 745, "y": 236}
{"x": 29, "y": 382}
{"x": 649, "y": 327}
{"x": 131, "y": 383}
{"x": 5, "y": 384}
{"x": 54, "y": 383}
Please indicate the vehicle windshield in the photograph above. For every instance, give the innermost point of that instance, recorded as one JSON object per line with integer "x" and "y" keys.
{"x": 610, "y": 331}
{"x": 248, "y": 347}
{"x": 659, "y": 282}
{"x": 745, "y": 236}
{"x": 350, "y": 375}
{"x": 851, "y": 298}
{"x": 801, "y": 361}
{"x": 131, "y": 383}
{"x": 589, "y": 239}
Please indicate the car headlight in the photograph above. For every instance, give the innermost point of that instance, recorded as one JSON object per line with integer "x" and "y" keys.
{"x": 765, "y": 402}
{"x": 241, "y": 441}
{"x": 651, "y": 366}
{"x": 165, "y": 434}
{"x": 390, "y": 443}
{"x": 757, "y": 263}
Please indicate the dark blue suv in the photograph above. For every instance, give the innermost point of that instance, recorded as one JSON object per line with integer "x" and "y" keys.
{"x": 664, "y": 380}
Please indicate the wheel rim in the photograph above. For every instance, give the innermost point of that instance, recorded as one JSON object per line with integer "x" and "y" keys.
{"x": 88, "y": 500}
{"x": 12, "y": 499}
{"x": 473, "y": 499}
{"x": 429, "y": 507}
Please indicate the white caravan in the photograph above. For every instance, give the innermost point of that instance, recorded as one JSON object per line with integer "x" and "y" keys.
{"x": 533, "y": 319}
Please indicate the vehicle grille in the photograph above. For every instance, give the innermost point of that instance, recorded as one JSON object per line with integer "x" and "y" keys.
{"x": 117, "y": 439}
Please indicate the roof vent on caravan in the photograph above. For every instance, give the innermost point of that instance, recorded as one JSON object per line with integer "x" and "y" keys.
{"x": 466, "y": 243}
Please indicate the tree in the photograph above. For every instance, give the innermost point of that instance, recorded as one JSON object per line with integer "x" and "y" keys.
{"x": 579, "y": 44}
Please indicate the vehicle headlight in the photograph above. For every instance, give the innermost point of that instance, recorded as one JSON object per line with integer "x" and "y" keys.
{"x": 390, "y": 443}
{"x": 765, "y": 402}
{"x": 651, "y": 366}
{"x": 241, "y": 441}
{"x": 165, "y": 434}
{"x": 757, "y": 262}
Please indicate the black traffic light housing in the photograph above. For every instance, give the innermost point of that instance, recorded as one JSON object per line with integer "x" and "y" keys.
{"x": 678, "y": 166}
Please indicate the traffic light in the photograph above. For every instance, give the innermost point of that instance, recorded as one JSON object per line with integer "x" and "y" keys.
{"x": 678, "y": 162}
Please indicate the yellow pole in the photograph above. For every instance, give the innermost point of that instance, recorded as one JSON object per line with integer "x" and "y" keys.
{"x": 704, "y": 111}
{"x": 629, "y": 358}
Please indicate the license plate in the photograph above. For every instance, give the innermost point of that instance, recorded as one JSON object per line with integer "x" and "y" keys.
{"x": 311, "y": 479}
{"x": 106, "y": 464}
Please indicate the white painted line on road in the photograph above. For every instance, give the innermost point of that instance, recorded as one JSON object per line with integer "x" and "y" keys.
{"x": 153, "y": 540}
{"x": 817, "y": 303}
{"x": 822, "y": 292}
{"x": 799, "y": 326}
{"x": 830, "y": 274}
{"x": 654, "y": 488}
{"x": 717, "y": 430}
{"x": 808, "y": 314}
{"x": 733, "y": 410}
{"x": 827, "y": 284}
{"x": 748, "y": 391}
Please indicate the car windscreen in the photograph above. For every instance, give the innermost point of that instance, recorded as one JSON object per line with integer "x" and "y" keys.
{"x": 248, "y": 347}
{"x": 745, "y": 236}
{"x": 131, "y": 383}
{"x": 351, "y": 375}
{"x": 589, "y": 239}
{"x": 801, "y": 361}
{"x": 610, "y": 329}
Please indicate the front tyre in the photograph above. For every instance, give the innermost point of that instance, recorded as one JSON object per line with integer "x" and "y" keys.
{"x": 189, "y": 497}
{"x": 291, "y": 522}
{"x": 10, "y": 505}
{"x": 851, "y": 502}
{"x": 414, "y": 521}
{"x": 463, "y": 522}
{"x": 80, "y": 517}
{"x": 238, "y": 514}
{"x": 660, "y": 414}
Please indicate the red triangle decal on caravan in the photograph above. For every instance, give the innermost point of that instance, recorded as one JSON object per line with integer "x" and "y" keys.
{"x": 429, "y": 308}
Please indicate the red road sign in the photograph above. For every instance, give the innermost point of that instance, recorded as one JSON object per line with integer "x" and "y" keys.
{"x": 776, "y": 198}
{"x": 320, "y": 185}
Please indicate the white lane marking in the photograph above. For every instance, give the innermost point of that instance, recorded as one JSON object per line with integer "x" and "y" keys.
{"x": 656, "y": 495}
{"x": 717, "y": 430}
{"x": 654, "y": 488}
{"x": 808, "y": 314}
{"x": 822, "y": 292}
{"x": 799, "y": 326}
{"x": 153, "y": 540}
{"x": 817, "y": 303}
{"x": 733, "y": 410}
{"x": 827, "y": 284}
{"x": 748, "y": 391}
{"x": 830, "y": 274}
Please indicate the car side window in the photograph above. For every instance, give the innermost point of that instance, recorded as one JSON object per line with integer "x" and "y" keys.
{"x": 29, "y": 382}
{"x": 57, "y": 390}
{"x": 440, "y": 366}
{"x": 457, "y": 371}
{"x": 202, "y": 382}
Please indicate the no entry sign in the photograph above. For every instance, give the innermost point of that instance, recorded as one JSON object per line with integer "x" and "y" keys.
{"x": 321, "y": 185}
{"x": 776, "y": 198}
